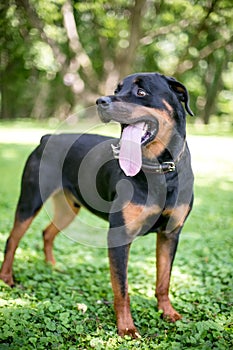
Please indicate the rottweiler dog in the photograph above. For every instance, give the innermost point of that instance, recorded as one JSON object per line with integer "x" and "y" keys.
{"x": 141, "y": 183}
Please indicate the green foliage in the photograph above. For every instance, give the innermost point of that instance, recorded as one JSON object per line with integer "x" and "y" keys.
{"x": 70, "y": 306}
{"x": 48, "y": 70}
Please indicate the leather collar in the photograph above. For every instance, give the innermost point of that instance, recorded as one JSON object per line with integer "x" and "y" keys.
{"x": 154, "y": 167}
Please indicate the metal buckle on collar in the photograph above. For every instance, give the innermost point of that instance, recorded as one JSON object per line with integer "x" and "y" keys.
{"x": 168, "y": 166}
{"x": 163, "y": 168}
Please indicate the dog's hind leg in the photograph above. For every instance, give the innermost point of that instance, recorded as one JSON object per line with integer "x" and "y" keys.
{"x": 23, "y": 219}
{"x": 65, "y": 210}
{"x": 29, "y": 204}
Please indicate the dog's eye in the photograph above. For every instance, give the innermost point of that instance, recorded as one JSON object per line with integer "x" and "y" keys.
{"x": 141, "y": 92}
{"x": 118, "y": 88}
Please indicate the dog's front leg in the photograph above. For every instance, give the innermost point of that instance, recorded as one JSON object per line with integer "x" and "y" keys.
{"x": 118, "y": 257}
{"x": 165, "y": 253}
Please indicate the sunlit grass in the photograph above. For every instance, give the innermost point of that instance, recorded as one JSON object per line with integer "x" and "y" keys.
{"x": 30, "y": 132}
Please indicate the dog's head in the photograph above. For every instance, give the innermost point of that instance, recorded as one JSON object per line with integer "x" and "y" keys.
{"x": 149, "y": 107}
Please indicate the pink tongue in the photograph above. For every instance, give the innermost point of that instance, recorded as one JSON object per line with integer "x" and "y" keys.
{"x": 130, "y": 157}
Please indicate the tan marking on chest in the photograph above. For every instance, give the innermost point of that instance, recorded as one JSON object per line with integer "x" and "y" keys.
{"x": 177, "y": 215}
{"x": 135, "y": 216}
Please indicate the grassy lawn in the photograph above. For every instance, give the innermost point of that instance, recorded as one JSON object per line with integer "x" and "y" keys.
{"x": 70, "y": 306}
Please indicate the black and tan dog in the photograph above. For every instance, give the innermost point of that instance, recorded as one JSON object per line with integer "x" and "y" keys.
{"x": 140, "y": 183}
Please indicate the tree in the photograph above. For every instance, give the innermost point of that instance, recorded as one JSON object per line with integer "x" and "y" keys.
{"x": 56, "y": 54}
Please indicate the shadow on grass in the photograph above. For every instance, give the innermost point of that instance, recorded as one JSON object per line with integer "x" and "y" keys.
{"x": 71, "y": 305}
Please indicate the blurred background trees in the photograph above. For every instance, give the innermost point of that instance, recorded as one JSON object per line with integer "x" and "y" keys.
{"x": 56, "y": 55}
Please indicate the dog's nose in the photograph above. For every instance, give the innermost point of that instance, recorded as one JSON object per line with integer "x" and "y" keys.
{"x": 103, "y": 101}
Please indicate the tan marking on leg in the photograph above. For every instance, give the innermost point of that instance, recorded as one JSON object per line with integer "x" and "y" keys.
{"x": 16, "y": 234}
{"x": 125, "y": 324}
{"x": 64, "y": 213}
{"x": 165, "y": 253}
{"x": 164, "y": 258}
{"x": 135, "y": 216}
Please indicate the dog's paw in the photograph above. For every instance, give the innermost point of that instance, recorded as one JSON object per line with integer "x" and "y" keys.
{"x": 8, "y": 279}
{"x": 169, "y": 313}
{"x": 172, "y": 316}
{"x": 132, "y": 332}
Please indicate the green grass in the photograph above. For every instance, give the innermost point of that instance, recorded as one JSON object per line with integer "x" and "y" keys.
{"x": 221, "y": 126}
{"x": 70, "y": 306}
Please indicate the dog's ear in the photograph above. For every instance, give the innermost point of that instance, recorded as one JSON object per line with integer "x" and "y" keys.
{"x": 181, "y": 92}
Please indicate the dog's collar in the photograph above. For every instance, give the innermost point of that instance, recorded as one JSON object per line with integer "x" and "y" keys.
{"x": 159, "y": 168}
{"x": 154, "y": 167}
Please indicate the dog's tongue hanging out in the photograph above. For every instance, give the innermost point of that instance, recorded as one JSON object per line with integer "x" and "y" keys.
{"x": 130, "y": 157}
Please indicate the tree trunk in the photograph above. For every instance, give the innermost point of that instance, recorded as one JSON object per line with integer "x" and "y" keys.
{"x": 7, "y": 105}
{"x": 5, "y": 112}
{"x": 80, "y": 58}
{"x": 122, "y": 65}
{"x": 213, "y": 84}
{"x": 126, "y": 57}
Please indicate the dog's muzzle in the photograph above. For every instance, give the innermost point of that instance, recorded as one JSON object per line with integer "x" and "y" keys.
{"x": 123, "y": 113}
{"x": 103, "y": 106}
{"x": 137, "y": 130}
{"x": 103, "y": 101}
